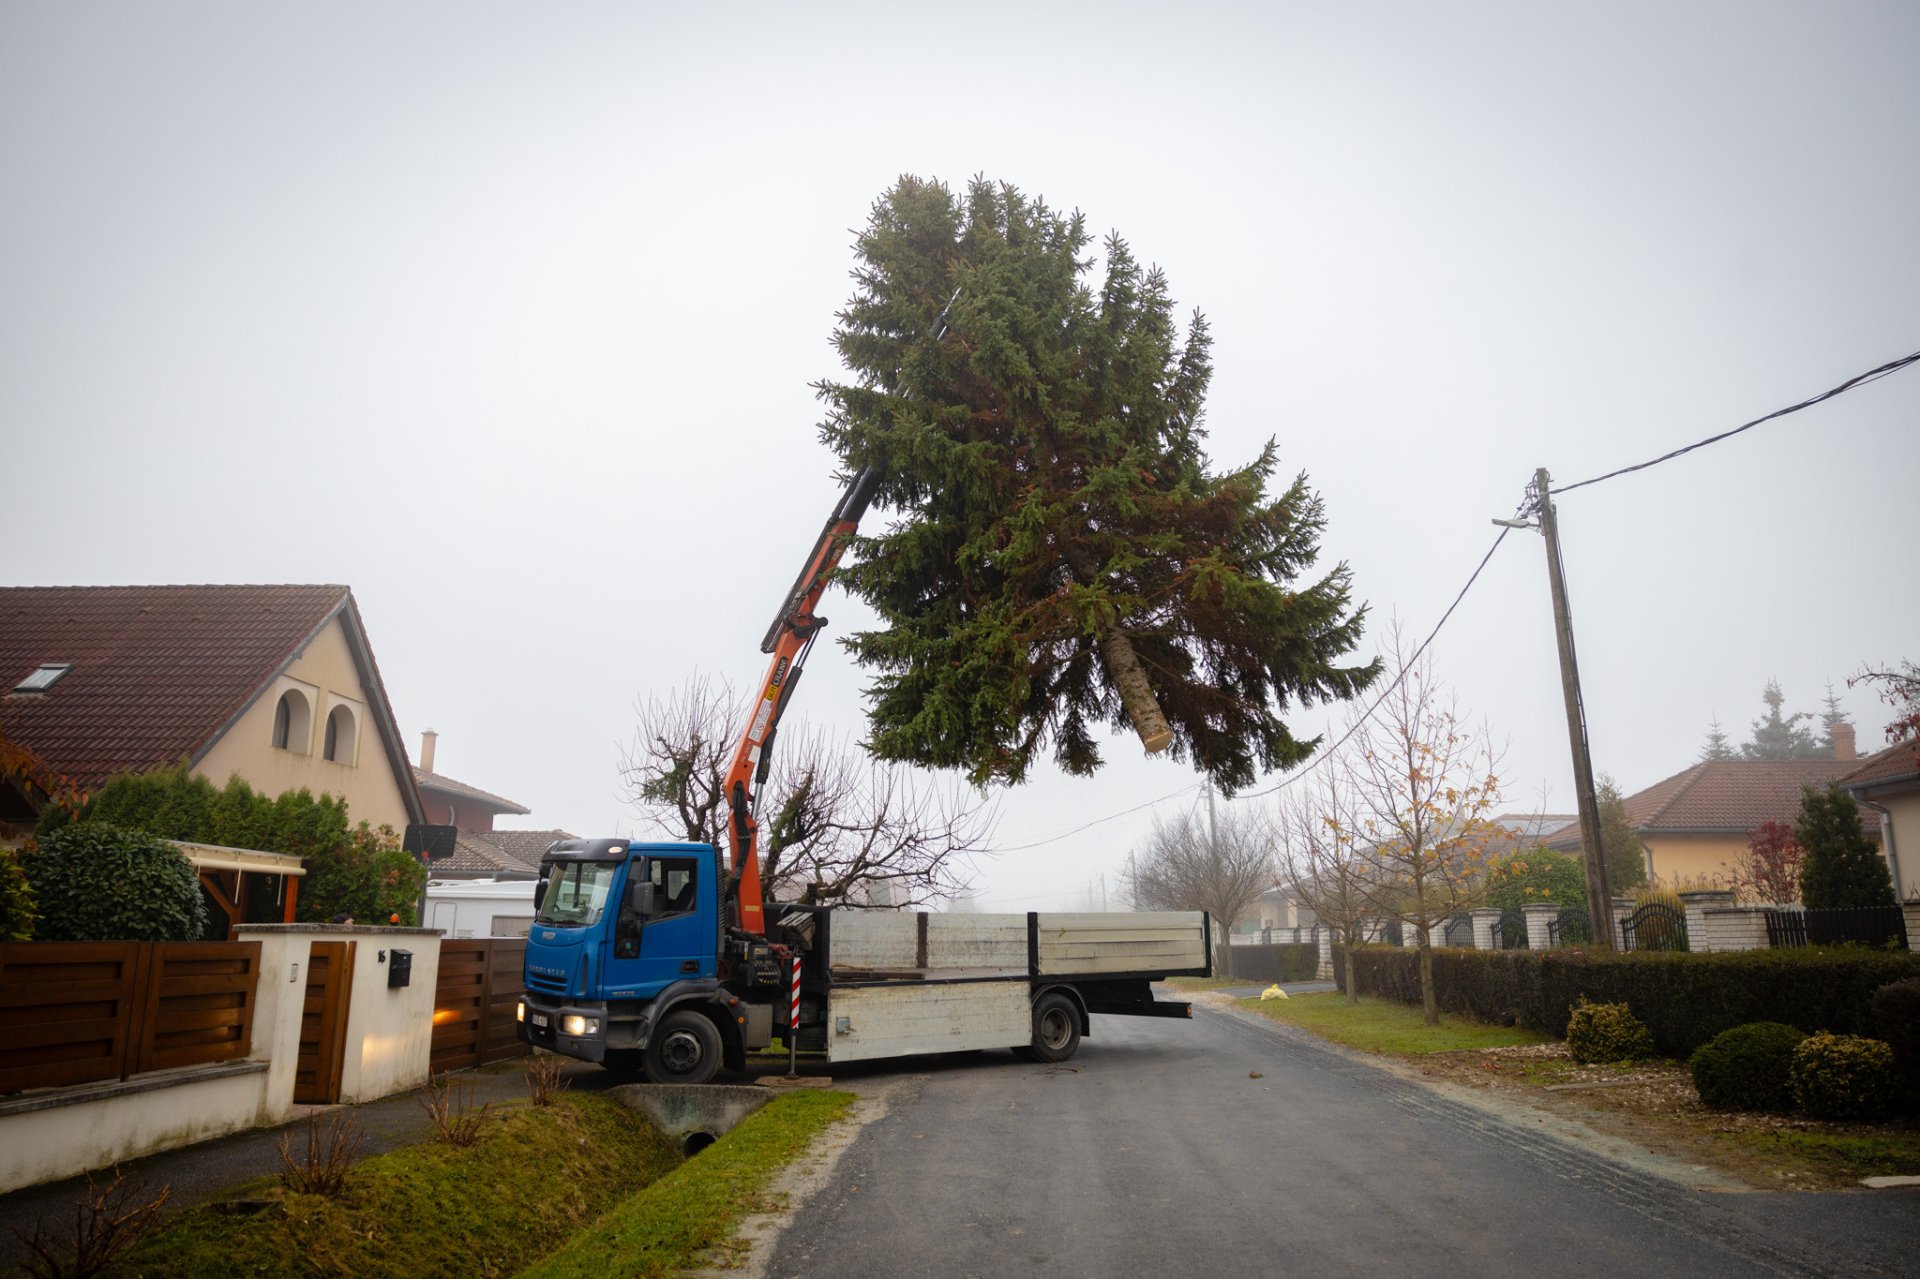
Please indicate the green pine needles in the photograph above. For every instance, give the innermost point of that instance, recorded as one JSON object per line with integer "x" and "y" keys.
{"x": 1063, "y": 559}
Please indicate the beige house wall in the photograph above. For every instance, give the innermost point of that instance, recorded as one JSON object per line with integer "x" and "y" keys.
{"x": 324, "y": 674}
{"x": 1706, "y": 860}
{"x": 1904, "y": 810}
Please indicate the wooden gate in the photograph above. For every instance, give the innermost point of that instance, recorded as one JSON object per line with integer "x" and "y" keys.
{"x": 473, "y": 1002}
{"x": 323, "y": 1023}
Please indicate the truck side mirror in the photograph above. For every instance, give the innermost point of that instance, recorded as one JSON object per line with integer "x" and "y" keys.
{"x": 641, "y": 897}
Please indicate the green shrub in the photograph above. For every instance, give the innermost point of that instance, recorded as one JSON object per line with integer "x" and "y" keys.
{"x": 16, "y": 899}
{"x": 1606, "y": 1032}
{"x": 1843, "y": 1076}
{"x": 1896, "y": 1021}
{"x": 1685, "y": 999}
{"x": 94, "y": 882}
{"x": 1747, "y": 1068}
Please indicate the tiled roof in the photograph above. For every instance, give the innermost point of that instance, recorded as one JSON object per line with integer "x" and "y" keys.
{"x": 460, "y": 790}
{"x": 1898, "y": 762}
{"x": 158, "y": 671}
{"x": 498, "y": 851}
{"x": 1725, "y": 796}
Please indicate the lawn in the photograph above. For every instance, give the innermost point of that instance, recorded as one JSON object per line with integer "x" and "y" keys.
{"x": 1384, "y": 1026}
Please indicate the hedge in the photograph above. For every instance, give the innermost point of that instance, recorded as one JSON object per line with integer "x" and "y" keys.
{"x": 1685, "y": 999}
{"x": 1280, "y": 961}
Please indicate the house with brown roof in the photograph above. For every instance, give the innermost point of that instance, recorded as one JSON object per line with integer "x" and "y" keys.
{"x": 1693, "y": 826}
{"x": 479, "y": 849}
{"x": 276, "y": 684}
{"x": 1887, "y": 784}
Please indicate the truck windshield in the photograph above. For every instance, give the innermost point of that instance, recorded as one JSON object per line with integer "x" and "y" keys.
{"x": 575, "y": 893}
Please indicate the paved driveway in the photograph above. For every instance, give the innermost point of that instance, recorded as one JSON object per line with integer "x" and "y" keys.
{"x": 1157, "y": 1151}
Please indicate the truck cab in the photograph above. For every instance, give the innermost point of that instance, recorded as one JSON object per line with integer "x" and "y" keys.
{"x": 622, "y": 962}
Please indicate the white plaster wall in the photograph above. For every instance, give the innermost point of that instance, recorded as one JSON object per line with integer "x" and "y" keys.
{"x": 389, "y": 1032}
{"x": 278, "y": 1003}
{"x": 62, "y": 1141}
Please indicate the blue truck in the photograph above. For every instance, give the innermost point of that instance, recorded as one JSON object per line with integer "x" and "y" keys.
{"x": 630, "y": 963}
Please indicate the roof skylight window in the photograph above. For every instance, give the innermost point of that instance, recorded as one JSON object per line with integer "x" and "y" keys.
{"x": 43, "y": 679}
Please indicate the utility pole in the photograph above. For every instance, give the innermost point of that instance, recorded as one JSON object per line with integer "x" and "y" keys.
{"x": 1599, "y": 893}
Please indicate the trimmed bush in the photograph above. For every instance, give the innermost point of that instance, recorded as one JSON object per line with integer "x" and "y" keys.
{"x": 1685, "y": 999}
{"x": 1747, "y": 1068}
{"x": 94, "y": 882}
{"x": 1896, "y": 1020}
{"x": 1606, "y": 1032}
{"x": 1278, "y": 961}
{"x": 16, "y": 899}
{"x": 1843, "y": 1076}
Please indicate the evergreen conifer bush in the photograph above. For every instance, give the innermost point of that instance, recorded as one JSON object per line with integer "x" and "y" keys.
{"x": 95, "y": 882}
{"x": 1843, "y": 1076}
{"x": 1606, "y": 1032}
{"x": 1747, "y": 1068}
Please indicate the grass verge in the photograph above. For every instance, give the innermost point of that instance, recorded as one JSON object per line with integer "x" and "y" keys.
{"x": 684, "y": 1218}
{"x": 1891, "y": 1152}
{"x": 1207, "y": 983}
{"x": 535, "y": 1177}
{"x": 1384, "y": 1026}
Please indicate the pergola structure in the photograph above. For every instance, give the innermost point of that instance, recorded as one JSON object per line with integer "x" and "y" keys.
{"x": 223, "y": 873}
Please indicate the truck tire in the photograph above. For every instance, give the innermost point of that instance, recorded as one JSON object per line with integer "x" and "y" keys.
{"x": 684, "y": 1049}
{"x": 1056, "y": 1028}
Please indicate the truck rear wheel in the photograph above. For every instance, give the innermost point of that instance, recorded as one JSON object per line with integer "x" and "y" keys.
{"x": 684, "y": 1049}
{"x": 1056, "y": 1028}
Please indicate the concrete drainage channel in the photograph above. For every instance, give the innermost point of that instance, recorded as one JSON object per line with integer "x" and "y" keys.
{"x": 695, "y": 1116}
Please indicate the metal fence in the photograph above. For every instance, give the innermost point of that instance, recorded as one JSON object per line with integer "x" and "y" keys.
{"x": 1837, "y": 926}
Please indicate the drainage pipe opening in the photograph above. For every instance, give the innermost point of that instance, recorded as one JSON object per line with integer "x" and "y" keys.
{"x": 695, "y": 1143}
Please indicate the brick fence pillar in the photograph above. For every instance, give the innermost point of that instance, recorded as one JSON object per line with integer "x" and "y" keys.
{"x": 1325, "y": 971}
{"x": 1622, "y": 911}
{"x": 1912, "y": 910}
{"x": 1484, "y": 918}
{"x": 1697, "y": 901}
{"x": 1539, "y": 916}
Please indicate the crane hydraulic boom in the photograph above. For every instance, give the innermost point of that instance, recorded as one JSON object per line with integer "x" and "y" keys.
{"x": 787, "y": 642}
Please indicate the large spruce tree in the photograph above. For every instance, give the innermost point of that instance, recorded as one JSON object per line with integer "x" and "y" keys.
{"x": 1062, "y": 557}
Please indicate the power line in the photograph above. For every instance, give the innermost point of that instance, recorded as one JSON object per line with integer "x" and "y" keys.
{"x": 1405, "y": 669}
{"x": 1871, "y": 375}
{"x": 1054, "y": 839}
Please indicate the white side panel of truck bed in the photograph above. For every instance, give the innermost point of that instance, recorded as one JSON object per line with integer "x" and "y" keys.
{"x": 874, "y": 938}
{"x": 898, "y": 1021}
{"x": 1142, "y": 942}
{"x": 977, "y": 941}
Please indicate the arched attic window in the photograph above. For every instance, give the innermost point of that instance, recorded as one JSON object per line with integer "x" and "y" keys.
{"x": 293, "y": 722}
{"x": 340, "y": 735}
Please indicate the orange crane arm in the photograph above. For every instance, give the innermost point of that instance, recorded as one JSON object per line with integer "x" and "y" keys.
{"x": 788, "y": 640}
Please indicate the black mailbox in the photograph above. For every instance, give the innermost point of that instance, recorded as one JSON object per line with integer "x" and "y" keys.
{"x": 399, "y": 968}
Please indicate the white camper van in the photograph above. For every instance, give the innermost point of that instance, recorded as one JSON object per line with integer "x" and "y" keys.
{"x": 481, "y": 907}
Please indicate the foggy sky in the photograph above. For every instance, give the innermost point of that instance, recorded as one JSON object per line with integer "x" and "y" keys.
{"x": 506, "y": 318}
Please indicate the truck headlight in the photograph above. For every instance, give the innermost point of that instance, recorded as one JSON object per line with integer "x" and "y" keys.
{"x": 576, "y": 1025}
{"x": 520, "y": 1011}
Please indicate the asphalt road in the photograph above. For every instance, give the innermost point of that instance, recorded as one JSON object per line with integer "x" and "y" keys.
{"x": 1154, "y": 1152}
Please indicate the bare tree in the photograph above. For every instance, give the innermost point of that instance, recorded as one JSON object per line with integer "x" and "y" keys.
{"x": 1319, "y": 866}
{"x": 1424, "y": 785}
{"x": 1188, "y": 864}
{"x": 842, "y": 827}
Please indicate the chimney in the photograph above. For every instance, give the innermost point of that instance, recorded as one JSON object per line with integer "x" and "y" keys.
{"x": 1842, "y": 735}
{"x": 429, "y": 738}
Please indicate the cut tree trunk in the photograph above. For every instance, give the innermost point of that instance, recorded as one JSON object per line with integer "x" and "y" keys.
{"x": 1136, "y": 694}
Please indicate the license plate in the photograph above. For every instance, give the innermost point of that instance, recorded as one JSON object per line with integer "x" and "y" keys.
{"x": 540, "y": 1020}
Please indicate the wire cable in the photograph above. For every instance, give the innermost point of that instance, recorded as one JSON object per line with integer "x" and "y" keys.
{"x": 1405, "y": 669}
{"x": 1871, "y": 375}
{"x": 1054, "y": 839}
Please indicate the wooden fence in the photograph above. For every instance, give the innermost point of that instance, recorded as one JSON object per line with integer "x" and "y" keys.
{"x": 473, "y": 1002}
{"x": 80, "y": 1012}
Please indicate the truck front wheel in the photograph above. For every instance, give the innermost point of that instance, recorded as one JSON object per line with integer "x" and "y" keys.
{"x": 684, "y": 1049}
{"x": 1056, "y": 1028}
